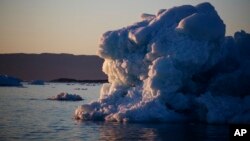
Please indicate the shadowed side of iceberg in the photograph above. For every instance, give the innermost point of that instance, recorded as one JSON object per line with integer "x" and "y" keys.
{"x": 175, "y": 66}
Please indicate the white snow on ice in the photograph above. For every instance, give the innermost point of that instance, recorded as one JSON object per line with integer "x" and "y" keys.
{"x": 175, "y": 66}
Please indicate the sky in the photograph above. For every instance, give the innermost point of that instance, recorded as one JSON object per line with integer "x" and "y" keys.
{"x": 75, "y": 26}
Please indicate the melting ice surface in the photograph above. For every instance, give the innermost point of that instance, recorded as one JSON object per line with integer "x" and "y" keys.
{"x": 175, "y": 66}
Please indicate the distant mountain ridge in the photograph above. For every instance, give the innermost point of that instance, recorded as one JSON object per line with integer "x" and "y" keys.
{"x": 48, "y": 66}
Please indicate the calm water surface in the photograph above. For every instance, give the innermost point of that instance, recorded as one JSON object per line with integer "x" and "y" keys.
{"x": 25, "y": 114}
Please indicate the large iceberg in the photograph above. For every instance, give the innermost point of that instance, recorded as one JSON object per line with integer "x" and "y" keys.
{"x": 175, "y": 66}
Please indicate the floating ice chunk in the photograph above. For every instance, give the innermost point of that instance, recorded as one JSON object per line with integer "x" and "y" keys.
{"x": 66, "y": 97}
{"x": 37, "y": 82}
{"x": 81, "y": 89}
{"x": 177, "y": 66}
{"x": 6, "y": 80}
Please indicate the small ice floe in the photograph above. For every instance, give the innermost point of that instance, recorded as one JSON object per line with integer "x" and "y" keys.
{"x": 6, "y": 80}
{"x": 37, "y": 82}
{"x": 66, "y": 97}
{"x": 81, "y": 89}
{"x": 70, "y": 84}
{"x": 90, "y": 84}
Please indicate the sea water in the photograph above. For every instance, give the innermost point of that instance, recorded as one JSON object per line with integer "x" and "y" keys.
{"x": 25, "y": 114}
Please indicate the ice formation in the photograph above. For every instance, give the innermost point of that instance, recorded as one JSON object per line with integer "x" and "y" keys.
{"x": 6, "y": 80}
{"x": 66, "y": 97}
{"x": 175, "y": 66}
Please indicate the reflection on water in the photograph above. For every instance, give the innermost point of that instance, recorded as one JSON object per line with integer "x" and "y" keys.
{"x": 26, "y": 115}
{"x": 157, "y": 131}
{"x": 119, "y": 131}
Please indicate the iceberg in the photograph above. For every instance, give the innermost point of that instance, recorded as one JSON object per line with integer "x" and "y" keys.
{"x": 6, "y": 80}
{"x": 175, "y": 66}
{"x": 66, "y": 97}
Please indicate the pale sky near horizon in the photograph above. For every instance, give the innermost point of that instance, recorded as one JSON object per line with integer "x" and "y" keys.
{"x": 75, "y": 26}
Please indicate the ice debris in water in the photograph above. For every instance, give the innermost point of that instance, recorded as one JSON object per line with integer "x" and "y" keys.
{"x": 66, "y": 97}
{"x": 37, "y": 82}
{"x": 175, "y": 66}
